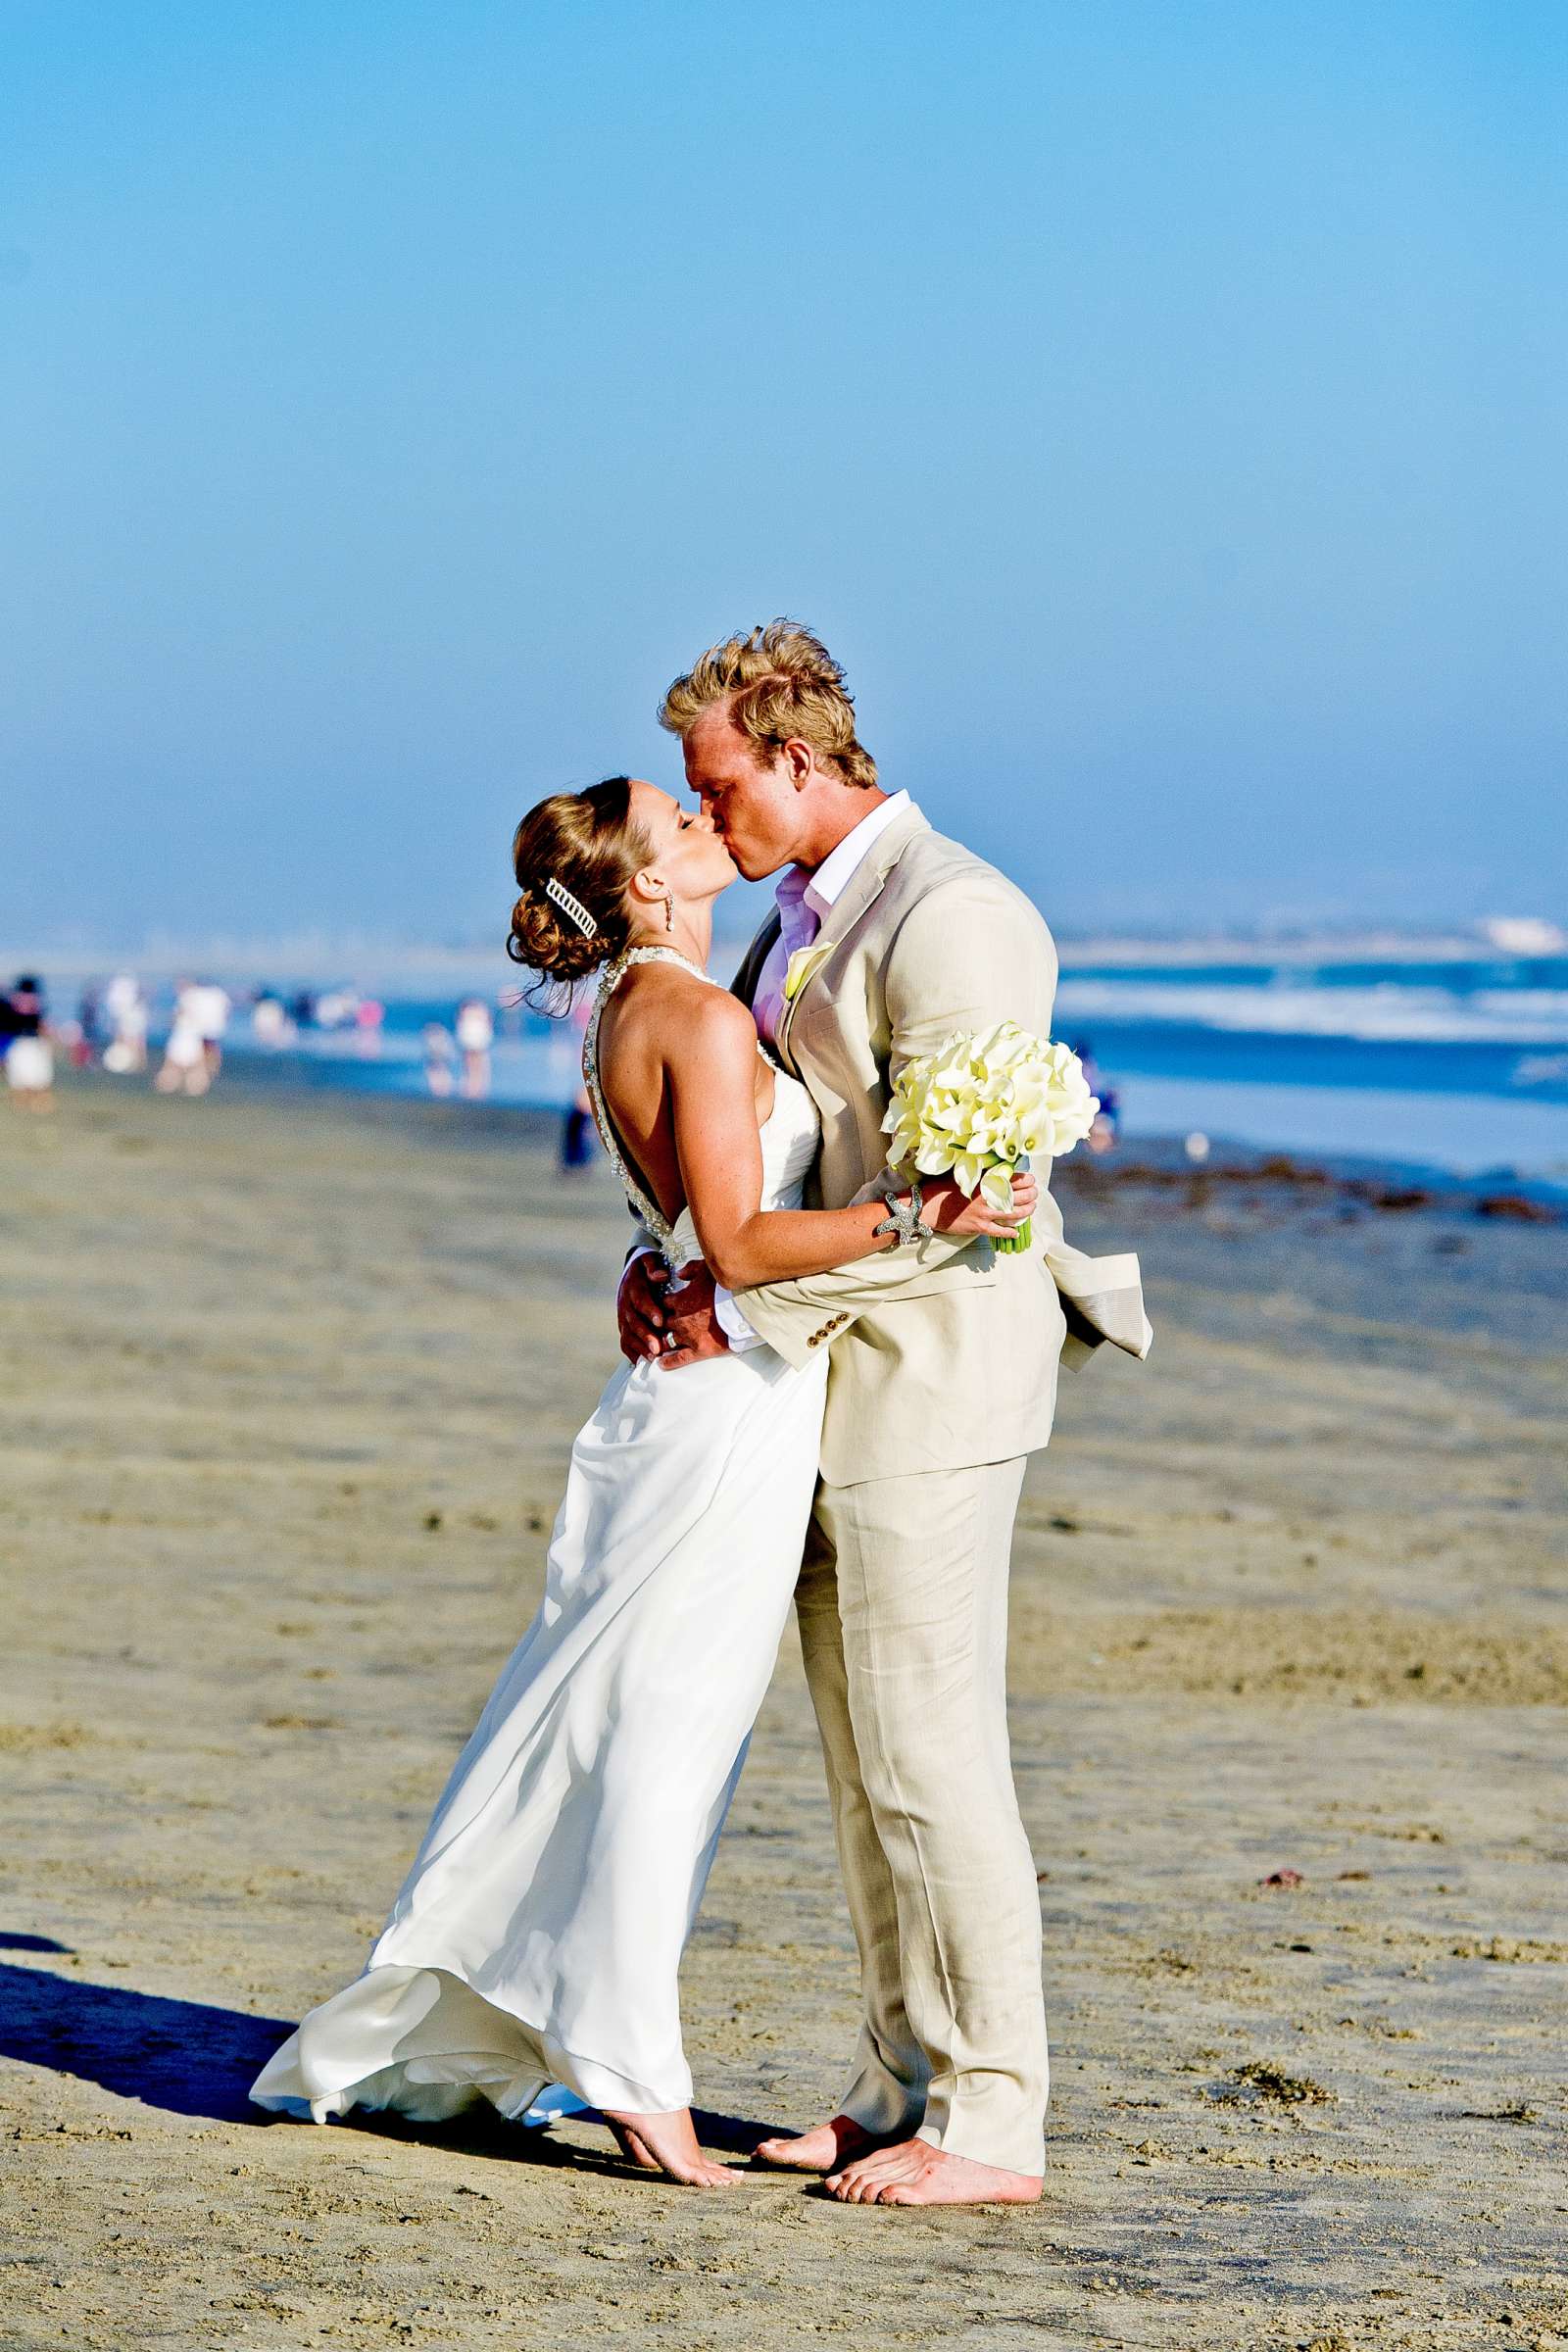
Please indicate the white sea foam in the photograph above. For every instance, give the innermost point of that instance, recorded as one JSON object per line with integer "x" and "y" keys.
{"x": 1386, "y": 1012}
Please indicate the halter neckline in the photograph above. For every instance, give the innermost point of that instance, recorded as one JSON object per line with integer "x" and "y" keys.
{"x": 651, "y": 952}
{"x": 652, "y": 1215}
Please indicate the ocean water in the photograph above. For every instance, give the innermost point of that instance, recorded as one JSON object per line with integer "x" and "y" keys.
{"x": 1454, "y": 1067}
{"x": 1461, "y": 1068}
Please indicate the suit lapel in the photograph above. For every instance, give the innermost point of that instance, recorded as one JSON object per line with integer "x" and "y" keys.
{"x": 744, "y": 984}
{"x": 859, "y": 894}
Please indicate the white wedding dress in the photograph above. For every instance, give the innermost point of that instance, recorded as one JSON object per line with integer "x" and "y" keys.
{"x": 538, "y": 1938}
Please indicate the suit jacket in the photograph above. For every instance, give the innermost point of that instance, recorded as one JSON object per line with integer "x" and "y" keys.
{"x": 944, "y": 1355}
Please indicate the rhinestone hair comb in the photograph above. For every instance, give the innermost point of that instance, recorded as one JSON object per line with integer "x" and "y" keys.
{"x": 571, "y": 907}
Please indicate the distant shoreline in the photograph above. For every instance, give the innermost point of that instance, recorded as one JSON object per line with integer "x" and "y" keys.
{"x": 1434, "y": 1061}
{"x": 311, "y": 960}
{"x": 1368, "y": 1181}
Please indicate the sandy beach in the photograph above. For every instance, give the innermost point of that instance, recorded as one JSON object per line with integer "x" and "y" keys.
{"x": 290, "y": 1381}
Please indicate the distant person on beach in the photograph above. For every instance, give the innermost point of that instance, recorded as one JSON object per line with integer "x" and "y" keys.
{"x": 872, "y": 1336}
{"x": 206, "y": 1007}
{"x": 29, "y": 1061}
{"x": 185, "y": 1069}
{"x": 337, "y": 1008}
{"x": 368, "y": 1016}
{"x": 271, "y": 1026}
{"x": 576, "y": 1137}
{"x": 127, "y": 1009}
{"x": 476, "y": 1034}
{"x": 577, "y": 1149}
{"x": 88, "y": 1044}
{"x": 439, "y": 1049}
{"x": 1104, "y": 1134}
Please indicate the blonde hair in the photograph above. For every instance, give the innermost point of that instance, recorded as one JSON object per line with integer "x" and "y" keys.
{"x": 781, "y": 685}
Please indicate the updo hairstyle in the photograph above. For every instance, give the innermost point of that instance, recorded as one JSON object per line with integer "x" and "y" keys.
{"x": 587, "y": 842}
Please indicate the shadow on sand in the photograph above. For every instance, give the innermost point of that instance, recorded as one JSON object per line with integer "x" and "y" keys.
{"x": 179, "y": 2055}
{"x": 199, "y": 2061}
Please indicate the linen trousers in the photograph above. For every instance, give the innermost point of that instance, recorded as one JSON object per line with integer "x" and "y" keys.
{"x": 902, "y": 1608}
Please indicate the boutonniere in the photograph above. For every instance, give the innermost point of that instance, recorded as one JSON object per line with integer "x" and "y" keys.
{"x": 802, "y": 964}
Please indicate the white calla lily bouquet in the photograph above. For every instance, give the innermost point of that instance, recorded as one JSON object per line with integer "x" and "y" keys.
{"x": 981, "y": 1106}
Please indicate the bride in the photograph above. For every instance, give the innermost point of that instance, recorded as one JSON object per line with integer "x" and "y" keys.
{"x": 538, "y": 1937}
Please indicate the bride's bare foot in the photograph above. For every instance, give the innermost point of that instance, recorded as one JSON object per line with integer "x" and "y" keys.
{"x": 668, "y": 2145}
{"x": 913, "y": 2173}
{"x": 822, "y": 2150}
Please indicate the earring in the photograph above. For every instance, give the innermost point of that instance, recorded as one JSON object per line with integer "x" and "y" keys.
{"x": 670, "y": 910}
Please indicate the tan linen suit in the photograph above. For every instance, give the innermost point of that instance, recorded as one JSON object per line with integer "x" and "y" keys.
{"x": 943, "y": 1377}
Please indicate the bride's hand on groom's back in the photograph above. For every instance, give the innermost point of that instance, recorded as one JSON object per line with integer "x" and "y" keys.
{"x": 948, "y": 1208}
{"x": 679, "y": 1327}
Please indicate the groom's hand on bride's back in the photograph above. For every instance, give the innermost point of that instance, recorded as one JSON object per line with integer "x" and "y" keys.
{"x": 679, "y": 1327}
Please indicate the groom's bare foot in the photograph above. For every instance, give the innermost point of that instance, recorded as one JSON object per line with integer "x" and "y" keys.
{"x": 823, "y": 2150}
{"x": 668, "y": 2145}
{"x": 913, "y": 2173}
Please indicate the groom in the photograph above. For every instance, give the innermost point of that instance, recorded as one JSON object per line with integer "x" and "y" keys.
{"x": 886, "y": 939}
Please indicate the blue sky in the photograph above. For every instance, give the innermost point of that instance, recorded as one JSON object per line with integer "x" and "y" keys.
{"x": 1159, "y": 408}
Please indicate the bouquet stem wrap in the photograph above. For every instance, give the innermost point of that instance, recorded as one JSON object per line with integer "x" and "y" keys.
{"x": 982, "y": 1106}
{"x": 1013, "y": 1245}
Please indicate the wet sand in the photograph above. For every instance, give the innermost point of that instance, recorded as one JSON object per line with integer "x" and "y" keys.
{"x": 289, "y": 1385}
